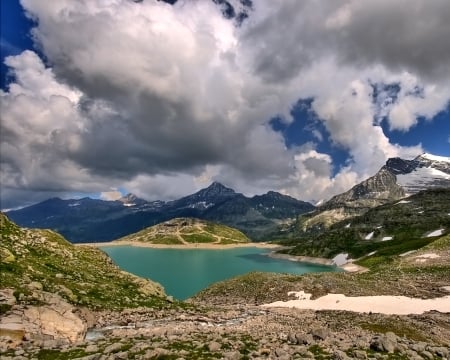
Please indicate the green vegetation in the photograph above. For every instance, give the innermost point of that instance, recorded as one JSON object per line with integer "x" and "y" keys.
{"x": 395, "y": 228}
{"x": 188, "y": 230}
{"x": 199, "y": 238}
{"x": 44, "y": 260}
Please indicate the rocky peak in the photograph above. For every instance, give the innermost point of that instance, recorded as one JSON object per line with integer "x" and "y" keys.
{"x": 376, "y": 190}
{"x": 131, "y": 200}
{"x": 216, "y": 189}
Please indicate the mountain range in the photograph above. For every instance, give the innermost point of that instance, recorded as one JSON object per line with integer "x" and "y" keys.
{"x": 94, "y": 220}
{"x": 260, "y": 217}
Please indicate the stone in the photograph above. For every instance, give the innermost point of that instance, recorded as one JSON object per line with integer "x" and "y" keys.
{"x": 427, "y": 355}
{"x": 360, "y": 354}
{"x": 92, "y": 348}
{"x": 320, "y": 333}
{"x": 123, "y": 355}
{"x": 214, "y": 346}
{"x": 113, "y": 348}
{"x": 385, "y": 343}
{"x": 232, "y": 355}
{"x": 339, "y": 355}
{"x": 35, "y": 285}
{"x": 304, "y": 339}
{"x": 441, "y": 351}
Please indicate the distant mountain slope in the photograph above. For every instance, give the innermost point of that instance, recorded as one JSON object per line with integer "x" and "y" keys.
{"x": 183, "y": 231}
{"x": 386, "y": 230}
{"x": 91, "y": 220}
{"x": 33, "y": 259}
{"x": 395, "y": 180}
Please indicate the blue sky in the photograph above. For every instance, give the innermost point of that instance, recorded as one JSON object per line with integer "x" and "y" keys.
{"x": 160, "y": 99}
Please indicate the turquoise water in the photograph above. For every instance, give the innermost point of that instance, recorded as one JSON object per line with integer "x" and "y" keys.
{"x": 185, "y": 272}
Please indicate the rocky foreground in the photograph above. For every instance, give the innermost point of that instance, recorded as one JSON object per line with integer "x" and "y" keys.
{"x": 229, "y": 332}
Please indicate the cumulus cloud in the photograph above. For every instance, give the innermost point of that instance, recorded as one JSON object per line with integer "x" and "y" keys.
{"x": 160, "y": 99}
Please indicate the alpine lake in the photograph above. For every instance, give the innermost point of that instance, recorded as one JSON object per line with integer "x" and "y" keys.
{"x": 184, "y": 272}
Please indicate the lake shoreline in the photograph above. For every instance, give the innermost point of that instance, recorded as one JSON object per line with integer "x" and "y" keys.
{"x": 349, "y": 267}
{"x": 206, "y": 246}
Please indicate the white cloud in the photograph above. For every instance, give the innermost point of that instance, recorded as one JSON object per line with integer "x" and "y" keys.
{"x": 112, "y": 194}
{"x": 158, "y": 98}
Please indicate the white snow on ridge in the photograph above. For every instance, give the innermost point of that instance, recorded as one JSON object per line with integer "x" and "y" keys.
{"x": 438, "y": 232}
{"x": 403, "y": 202}
{"x": 387, "y": 238}
{"x": 421, "y": 177}
{"x": 436, "y": 158}
{"x": 369, "y": 236}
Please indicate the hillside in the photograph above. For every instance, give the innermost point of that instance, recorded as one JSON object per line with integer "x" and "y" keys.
{"x": 185, "y": 231}
{"x": 33, "y": 260}
{"x": 386, "y": 230}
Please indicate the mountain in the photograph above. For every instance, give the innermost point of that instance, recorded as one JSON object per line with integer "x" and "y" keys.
{"x": 424, "y": 172}
{"x": 93, "y": 220}
{"x": 387, "y": 230}
{"x": 395, "y": 180}
{"x": 186, "y": 231}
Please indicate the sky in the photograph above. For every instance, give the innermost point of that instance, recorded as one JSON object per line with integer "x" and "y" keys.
{"x": 308, "y": 98}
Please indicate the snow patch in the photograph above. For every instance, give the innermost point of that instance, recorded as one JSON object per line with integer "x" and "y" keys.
{"x": 348, "y": 225}
{"x": 403, "y": 202}
{"x": 428, "y": 256}
{"x": 387, "y": 238}
{"x": 369, "y": 236}
{"x": 408, "y": 253}
{"x": 392, "y": 305}
{"x": 74, "y": 204}
{"x": 438, "y": 232}
{"x": 371, "y": 253}
{"x": 340, "y": 259}
{"x": 436, "y": 158}
{"x": 421, "y": 178}
{"x": 128, "y": 204}
{"x": 300, "y": 295}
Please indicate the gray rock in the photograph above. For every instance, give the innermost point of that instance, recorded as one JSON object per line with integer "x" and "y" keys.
{"x": 418, "y": 346}
{"x": 92, "y": 348}
{"x": 427, "y": 355}
{"x": 412, "y": 355}
{"x": 320, "y": 333}
{"x": 360, "y": 354}
{"x": 279, "y": 352}
{"x": 214, "y": 346}
{"x": 441, "y": 351}
{"x": 112, "y": 348}
{"x": 304, "y": 339}
{"x": 339, "y": 355}
{"x": 385, "y": 342}
{"x": 123, "y": 355}
{"x": 232, "y": 355}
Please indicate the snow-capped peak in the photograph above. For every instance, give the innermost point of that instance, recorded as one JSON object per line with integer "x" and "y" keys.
{"x": 435, "y": 157}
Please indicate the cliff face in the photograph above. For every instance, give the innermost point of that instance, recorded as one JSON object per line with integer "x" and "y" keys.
{"x": 376, "y": 190}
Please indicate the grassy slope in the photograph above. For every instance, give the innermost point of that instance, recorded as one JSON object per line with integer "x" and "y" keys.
{"x": 82, "y": 275}
{"x": 405, "y": 222}
{"x": 188, "y": 230}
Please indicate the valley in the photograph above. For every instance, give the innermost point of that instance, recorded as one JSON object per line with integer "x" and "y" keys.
{"x": 64, "y": 301}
